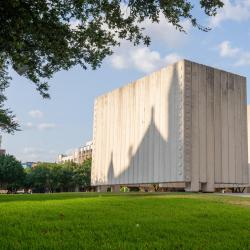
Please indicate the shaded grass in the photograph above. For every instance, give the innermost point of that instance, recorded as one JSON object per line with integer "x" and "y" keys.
{"x": 134, "y": 221}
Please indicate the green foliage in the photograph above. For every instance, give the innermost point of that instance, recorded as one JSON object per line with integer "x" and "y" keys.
{"x": 124, "y": 221}
{"x": 53, "y": 177}
{"x": 82, "y": 174}
{"x": 40, "y": 177}
{"x": 41, "y": 37}
{"x": 7, "y": 119}
{"x": 11, "y": 173}
{"x": 124, "y": 189}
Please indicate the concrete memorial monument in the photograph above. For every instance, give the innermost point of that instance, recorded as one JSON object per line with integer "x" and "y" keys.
{"x": 183, "y": 126}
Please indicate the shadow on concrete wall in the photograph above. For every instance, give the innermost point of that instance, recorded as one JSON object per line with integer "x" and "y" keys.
{"x": 143, "y": 166}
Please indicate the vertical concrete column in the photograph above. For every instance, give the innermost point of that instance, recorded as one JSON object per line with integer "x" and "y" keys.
{"x": 207, "y": 188}
{"x": 195, "y": 129}
{"x": 188, "y": 187}
{"x": 101, "y": 189}
{"x": 115, "y": 188}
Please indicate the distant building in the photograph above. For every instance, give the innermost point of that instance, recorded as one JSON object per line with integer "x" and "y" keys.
{"x": 2, "y": 151}
{"x": 28, "y": 164}
{"x": 64, "y": 158}
{"x": 78, "y": 156}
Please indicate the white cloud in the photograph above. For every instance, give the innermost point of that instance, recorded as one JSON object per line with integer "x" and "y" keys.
{"x": 40, "y": 126}
{"x": 29, "y": 125}
{"x": 166, "y": 33}
{"x": 74, "y": 24}
{"x": 70, "y": 151}
{"x": 140, "y": 58}
{"x": 171, "y": 58}
{"x": 16, "y": 119}
{"x": 145, "y": 59}
{"x": 37, "y": 154}
{"x": 244, "y": 59}
{"x": 46, "y": 126}
{"x": 118, "y": 62}
{"x": 36, "y": 113}
{"x": 32, "y": 154}
{"x": 226, "y": 49}
{"x": 31, "y": 150}
{"x": 240, "y": 56}
{"x": 52, "y": 151}
{"x": 163, "y": 31}
{"x": 232, "y": 10}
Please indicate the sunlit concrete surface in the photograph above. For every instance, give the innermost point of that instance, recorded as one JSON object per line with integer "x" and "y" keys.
{"x": 182, "y": 126}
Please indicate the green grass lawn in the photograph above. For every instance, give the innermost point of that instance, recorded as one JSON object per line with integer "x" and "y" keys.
{"x": 135, "y": 221}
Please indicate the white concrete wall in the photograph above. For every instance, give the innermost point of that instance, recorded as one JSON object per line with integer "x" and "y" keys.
{"x": 218, "y": 125}
{"x": 184, "y": 123}
{"x": 138, "y": 131}
{"x": 248, "y": 130}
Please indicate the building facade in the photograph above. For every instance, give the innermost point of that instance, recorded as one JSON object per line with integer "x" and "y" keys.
{"x": 183, "y": 126}
{"x": 248, "y": 127}
{"x": 28, "y": 164}
{"x": 78, "y": 156}
{"x": 2, "y": 151}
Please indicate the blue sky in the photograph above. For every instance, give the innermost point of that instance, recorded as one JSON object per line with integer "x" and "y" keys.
{"x": 64, "y": 122}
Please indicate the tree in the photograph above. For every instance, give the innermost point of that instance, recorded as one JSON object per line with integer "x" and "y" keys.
{"x": 27, "y": 183}
{"x": 11, "y": 173}
{"x": 54, "y": 178}
{"x": 82, "y": 174}
{"x": 45, "y": 177}
{"x": 7, "y": 119}
{"x": 66, "y": 177}
{"x": 41, "y": 37}
{"x": 37, "y": 178}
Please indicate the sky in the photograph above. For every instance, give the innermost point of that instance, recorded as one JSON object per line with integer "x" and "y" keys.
{"x": 63, "y": 123}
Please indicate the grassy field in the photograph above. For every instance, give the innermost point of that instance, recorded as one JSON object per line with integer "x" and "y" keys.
{"x": 135, "y": 221}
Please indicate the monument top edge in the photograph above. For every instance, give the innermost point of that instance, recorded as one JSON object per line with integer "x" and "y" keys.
{"x": 183, "y": 61}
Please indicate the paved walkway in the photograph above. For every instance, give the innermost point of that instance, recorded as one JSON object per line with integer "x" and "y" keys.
{"x": 246, "y": 195}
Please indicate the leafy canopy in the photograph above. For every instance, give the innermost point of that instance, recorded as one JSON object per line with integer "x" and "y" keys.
{"x": 55, "y": 177}
{"x": 41, "y": 37}
{"x": 11, "y": 172}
